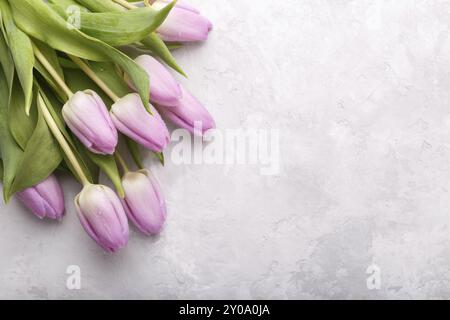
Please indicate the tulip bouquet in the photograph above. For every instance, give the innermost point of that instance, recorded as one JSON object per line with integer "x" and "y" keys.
{"x": 77, "y": 77}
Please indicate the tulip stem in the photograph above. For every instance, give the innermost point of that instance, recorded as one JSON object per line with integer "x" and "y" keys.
{"x": 122, "y": 162}
{"x": 131, "y": 6}
{"x": 148, "y": 3}
{"x": 51, "y": 70}
{"x": 61, "y": 140}
{"x": 125, "y": 4}
{"x": 91, "y": 74}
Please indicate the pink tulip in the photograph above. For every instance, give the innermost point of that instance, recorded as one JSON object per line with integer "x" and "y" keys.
{"x": 87, "y": 116}
{"x": 132, "y": 119}
{"x": 45, "y": 200}
{"x": 144, "y": 202}
{"x": 102, "y": 216}
{"x": 164, "y": 89}
{"x": 183, "y": 24}
{"x": 190, "y": 114}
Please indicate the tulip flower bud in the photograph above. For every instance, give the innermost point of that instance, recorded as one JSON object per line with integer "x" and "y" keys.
{"x": 183, "y": 24}
{"x": 87, "y": 116}
{"x": 164, "y": 89}
{"x": 45, "y": 200}
{"x": 144, "y": 202}
{"x": 189, "y": 113}
{"x": 102, "y": 216}
{"x": 133, "y": 120}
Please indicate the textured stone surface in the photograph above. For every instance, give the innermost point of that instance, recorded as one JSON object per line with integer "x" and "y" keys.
{"x": 360, "y": 92}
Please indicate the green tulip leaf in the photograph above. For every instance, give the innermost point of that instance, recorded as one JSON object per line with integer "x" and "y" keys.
{"x": 78, "y": 81}
{"x": 36, "y": 19}
{"x": 9, "y": 150}
{"x": 101, "y": 5}
{"x": 152, "y": 42}
{"x": 174, "y": 45}
{"x": 133, "y": 148}
{"x": 21, "y": 124}
{"x": 51, "y": 56}
{"x": 109, "y": 74}
{"x": 106, "y": 71}
{"x": 68, "y": 5}
{"x": 40, "y": 158}
{"x": 109, "y": 166}
{"x": 2, "y": 170}
{"x": 7, "y": 62}
{"x": 120, "y": 28}
{"x": 161, "y": 157}
{"x": 21, "y": 51}
{"x": 65, "y": 63}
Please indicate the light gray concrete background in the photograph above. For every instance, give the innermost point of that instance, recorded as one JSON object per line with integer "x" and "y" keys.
{"x": 360, "y": 91}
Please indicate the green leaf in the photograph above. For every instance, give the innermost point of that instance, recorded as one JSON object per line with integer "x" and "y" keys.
{"x": 40, "y": 158}
{"x": 6, "y": 62}
{"x": 67, "y": 64}
{"x": 10, "y": 151}
{"x": 90, "y": 165}
{"x": 109, "y": 166}
{"x": 106, "y": 71}
{"x": 109, "y": 74}
{"x": 36, "y": 18}
{"x": 54, "y": 106}
{"x": 161, "y": 158}
{"x": 21, "y": 125}
{"x": 21, "y": 50}
{"x": 152, "y": 42}
{"x": 101, "y": 5}
{"x": 120, "y": 28}
{"x": 174, "y": 45}
{"x": 78, "y": 81}
{"x": 133, "y": 148}
{"x": 2, "y": 170}
{"x": 51, "y": 56}
{"x": 66, "y": 4}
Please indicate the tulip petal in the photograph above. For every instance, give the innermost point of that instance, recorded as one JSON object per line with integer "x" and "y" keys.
{"x": 164, "y": 89}
{"x": 180, "y": 4}
{"x": 189, "y": 113}
{"x": 144, "y": 203}
{"x": 102, "y": 216}
{"x": 45, "y": 200}
{"x": 131, "y": 119}
{"x": 85, "y": 222}
{"x": 88, "y": 118}
{"x": 157, "y": 188}
{"x": 184, "y": 24}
